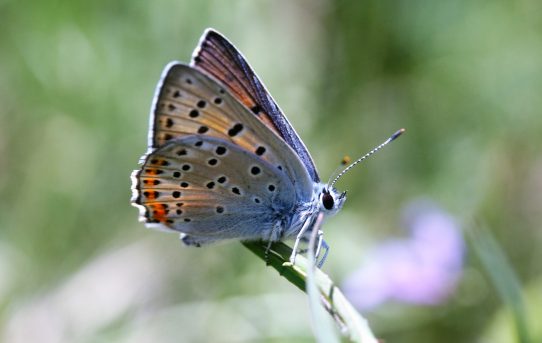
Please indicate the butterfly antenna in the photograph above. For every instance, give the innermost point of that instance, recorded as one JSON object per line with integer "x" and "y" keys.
{"x": 345, "y": 161}
{"x": 345, "y": 170}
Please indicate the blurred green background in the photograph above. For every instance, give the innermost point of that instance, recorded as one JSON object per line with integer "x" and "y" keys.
{"x": 76, "y": 83}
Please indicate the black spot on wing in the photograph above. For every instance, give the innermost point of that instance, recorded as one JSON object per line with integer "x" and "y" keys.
{"x": 235, "y": 130}
{"x": 256, "y": 109}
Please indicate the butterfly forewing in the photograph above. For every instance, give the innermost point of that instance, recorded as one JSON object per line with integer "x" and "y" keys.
{"x": 205, "y": 188}
{"x": 189, "y": 102}
{"x": 217, "y": 57}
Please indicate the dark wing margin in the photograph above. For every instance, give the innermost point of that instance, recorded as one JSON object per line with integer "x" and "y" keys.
{"x": 217, "y": 57}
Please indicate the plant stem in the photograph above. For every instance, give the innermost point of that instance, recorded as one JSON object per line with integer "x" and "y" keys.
{"x": 351, "y": 324}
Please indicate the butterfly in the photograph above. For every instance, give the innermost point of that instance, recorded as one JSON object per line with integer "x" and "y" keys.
{"x": 223, "y": 162}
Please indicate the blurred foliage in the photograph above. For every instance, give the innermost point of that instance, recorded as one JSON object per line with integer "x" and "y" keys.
{"x": 76, "y": 82}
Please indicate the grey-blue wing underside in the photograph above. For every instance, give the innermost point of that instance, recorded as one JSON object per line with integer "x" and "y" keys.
{"x": 211, "y": 190}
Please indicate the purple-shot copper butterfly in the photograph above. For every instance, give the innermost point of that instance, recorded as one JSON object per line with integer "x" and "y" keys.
{"x": 223, "y": 162}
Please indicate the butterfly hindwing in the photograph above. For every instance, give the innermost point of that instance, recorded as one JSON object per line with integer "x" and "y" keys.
{"x": 217, "y": 57}
{"x": 211, "y": 189}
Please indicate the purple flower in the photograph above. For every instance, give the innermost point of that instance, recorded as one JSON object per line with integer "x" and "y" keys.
{"x": 422, "y": 269}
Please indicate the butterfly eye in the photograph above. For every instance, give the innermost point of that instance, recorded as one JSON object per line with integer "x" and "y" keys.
{"x": 327, "y": 201}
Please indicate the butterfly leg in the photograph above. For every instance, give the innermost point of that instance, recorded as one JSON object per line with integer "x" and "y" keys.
{"x": 299, "y": 238}
{"x": 320, "y": 238}
{"x": 321, "y": 245}
{"x": 266, "y": 253}
{"x": 317, "y": 242}
{"x": 274, "y": 235}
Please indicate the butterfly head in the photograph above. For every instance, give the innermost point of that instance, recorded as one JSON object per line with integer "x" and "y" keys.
{"x": 331, "y": 200}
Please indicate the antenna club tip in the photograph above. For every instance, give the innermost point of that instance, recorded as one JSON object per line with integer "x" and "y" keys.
{"x": 397, "y": 133}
